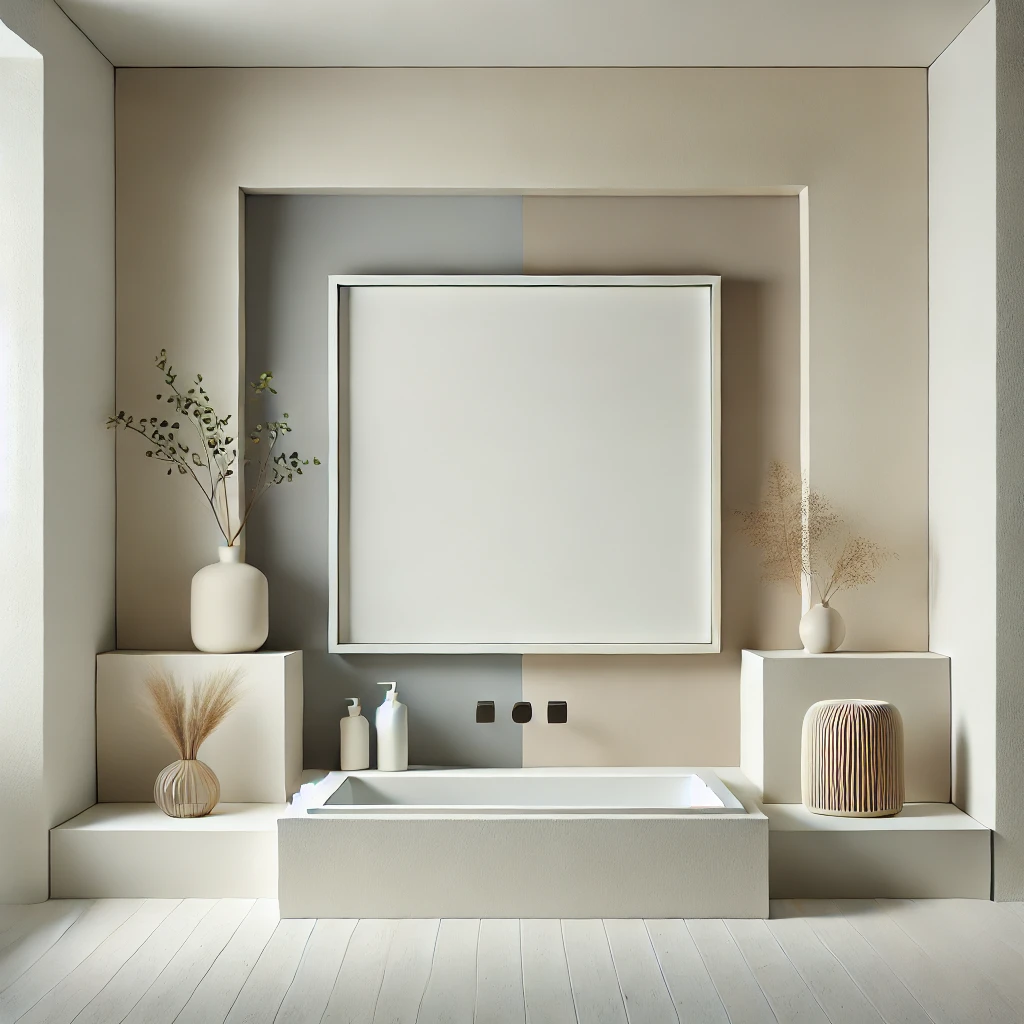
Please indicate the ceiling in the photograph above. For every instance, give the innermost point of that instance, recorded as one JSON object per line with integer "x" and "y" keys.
{"x": 521, "y": 33}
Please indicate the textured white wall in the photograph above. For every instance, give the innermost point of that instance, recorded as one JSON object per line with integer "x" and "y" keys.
{"x": 962, "y": 384}
{"x": 23, "y": 840}
{"x": 56, "y": 387}
{"x": 1009, "y": 839}
{"x": 78, "y": 511}
{"x": 188, "y": 139}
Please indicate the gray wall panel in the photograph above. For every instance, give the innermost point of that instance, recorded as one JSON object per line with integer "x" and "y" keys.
{"x": 292, "y": 244}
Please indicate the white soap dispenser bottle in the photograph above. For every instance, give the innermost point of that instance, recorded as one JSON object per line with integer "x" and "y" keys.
{"x": 355, "y": 739}
{"x": 392, "y": 732}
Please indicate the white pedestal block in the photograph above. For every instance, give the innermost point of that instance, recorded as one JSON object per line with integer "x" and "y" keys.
{"x": 928, "y": 851}
{"x": 777, "y": 688}
{"x": 135, "y": 850}
{"x": 256, "y": 752}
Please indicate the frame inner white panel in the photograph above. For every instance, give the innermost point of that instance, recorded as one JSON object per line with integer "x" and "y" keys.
{"x": 531, "y": 467}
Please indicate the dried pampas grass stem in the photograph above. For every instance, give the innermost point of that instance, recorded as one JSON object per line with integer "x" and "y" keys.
{"x": 801, "y": 537}
{"x": 189, "y": 720}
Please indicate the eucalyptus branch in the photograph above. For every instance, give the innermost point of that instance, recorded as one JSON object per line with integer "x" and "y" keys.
{"x": 214, "y": 451}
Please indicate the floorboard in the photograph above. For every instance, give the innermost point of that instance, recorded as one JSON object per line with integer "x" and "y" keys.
{"x": 32, "y": 933}
{"x": 450, "y": 995}
{"x": 174, "y": 985}
{"x": 68, "y": 997}
{"x": 784, "y": 988}
{"x": 595, "y": 986}
{"x": 892, "y": 999}
{"x": 354, "y": 997}
{"x": 948, "y": 992}
{"x": 689, "y": 984}
{"x": 499, "y": 974}
{"x": 264, "y": 990}
{"x": 644, "y": 993}
{"x": 997, "y": 967}
{"x": 215, "y": 994}
{"x": 546, "y": 985}
{"x": 406, "y": 972}
{"x": 829, "y": 982}
{"x": 93, "y": 926}
{"x": 736, "y": 984}
{"x": 118, "y": 997}
{"x": 217, "y": 961}
{"x": 310, "y": 990}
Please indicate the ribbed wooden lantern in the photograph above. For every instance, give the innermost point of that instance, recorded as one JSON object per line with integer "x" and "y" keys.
{"x": 852, "y": 754}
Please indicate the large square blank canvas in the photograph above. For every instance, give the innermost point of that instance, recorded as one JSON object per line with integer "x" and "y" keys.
{"x": 530, "y": 465}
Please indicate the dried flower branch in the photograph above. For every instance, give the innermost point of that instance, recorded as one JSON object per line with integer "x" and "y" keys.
{"x": 215, "y": 452}
{"x": 801, "y": 537}
{"x": 849, "y": 563}
{"x": 189, "y": 721}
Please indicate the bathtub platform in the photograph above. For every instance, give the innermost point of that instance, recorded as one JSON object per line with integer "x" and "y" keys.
{"x": 460, "y": 862}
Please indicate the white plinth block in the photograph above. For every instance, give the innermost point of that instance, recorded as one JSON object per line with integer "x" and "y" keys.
{"x": 928, "y": 851}
{"x": 777, "y": 688}
{"x": 135, "y": 850}
{"x": 256, "y": 753}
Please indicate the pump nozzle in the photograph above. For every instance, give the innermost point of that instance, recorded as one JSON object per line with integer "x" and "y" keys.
{"x": 355, "y": 710}
{"x": 392, "y": 694}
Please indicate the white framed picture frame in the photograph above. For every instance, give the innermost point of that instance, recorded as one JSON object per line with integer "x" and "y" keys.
{"x": 524, "y": 464}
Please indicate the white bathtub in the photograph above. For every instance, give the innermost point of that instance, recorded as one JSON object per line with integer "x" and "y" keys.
{"x": 531, "y": 842}
{"x": 518, "y": 791}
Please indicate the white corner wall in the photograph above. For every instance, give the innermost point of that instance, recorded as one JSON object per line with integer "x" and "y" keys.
{"x": 1008, "y": 842}
{"x": 79, "y": 501}
{"x": 56, "y": 389}
{"x": 23, "y": 839}
{"x": 962, "y": 397}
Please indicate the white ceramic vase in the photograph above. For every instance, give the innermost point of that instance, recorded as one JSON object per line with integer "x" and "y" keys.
{"x": 822, "y": 629}
{"x": 230, "y": 605}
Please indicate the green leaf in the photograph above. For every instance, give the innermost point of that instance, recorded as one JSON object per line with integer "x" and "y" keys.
{"x": 196, "y": 460}
{"x": 316, "y": 461}
{"x": 182, "y": 470}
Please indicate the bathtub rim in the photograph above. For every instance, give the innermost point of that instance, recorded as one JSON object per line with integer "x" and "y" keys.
{"x": 310, "y": 801}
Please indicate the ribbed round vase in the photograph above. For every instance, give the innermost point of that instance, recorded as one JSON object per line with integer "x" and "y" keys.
{"x": 852, "y": 759}
{"x": 186, "y": 789}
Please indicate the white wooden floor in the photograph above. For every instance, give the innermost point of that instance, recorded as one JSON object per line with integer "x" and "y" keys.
{"x": 844, "y": 962}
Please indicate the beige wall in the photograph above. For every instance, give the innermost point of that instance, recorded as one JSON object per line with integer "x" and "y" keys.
{"x": 187, "y": 140}
{"x": 685, "y": 709}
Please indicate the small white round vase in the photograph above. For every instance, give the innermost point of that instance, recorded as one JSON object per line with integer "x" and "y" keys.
{"x": 822, "y": 629}
{"x": 230, "y": 605}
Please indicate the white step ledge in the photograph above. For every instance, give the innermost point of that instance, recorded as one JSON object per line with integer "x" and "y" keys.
{"x": 135, "y": 850}
{"x": 928, "y": 851}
